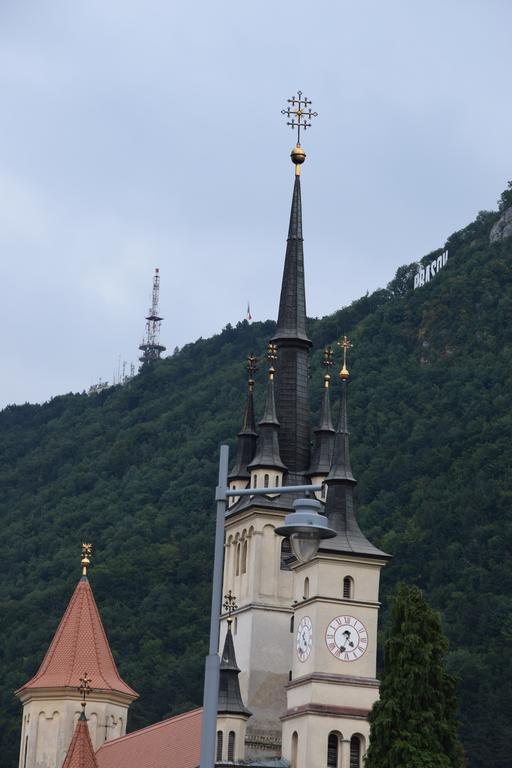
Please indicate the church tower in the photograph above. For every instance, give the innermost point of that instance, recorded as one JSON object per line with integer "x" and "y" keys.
{"x": 336, "y": 602}
{"x": 306, "y": 633}
{"x": 51, "y": 699}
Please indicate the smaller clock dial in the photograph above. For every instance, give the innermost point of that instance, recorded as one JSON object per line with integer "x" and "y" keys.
{"x": 346, "y": 638}
{"x": 304, "y": 638}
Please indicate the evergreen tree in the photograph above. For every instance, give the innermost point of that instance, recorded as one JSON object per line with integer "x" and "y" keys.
{"x": 414, "y": 723}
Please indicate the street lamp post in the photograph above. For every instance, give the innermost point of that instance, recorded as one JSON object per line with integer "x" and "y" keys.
{"x": 305, "y": 527}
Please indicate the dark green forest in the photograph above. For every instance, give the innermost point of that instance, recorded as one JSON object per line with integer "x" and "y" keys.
{"x": 133, "y": 470}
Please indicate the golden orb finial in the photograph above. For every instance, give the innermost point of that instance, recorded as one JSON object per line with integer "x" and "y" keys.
{"x": 300, "y": 113}
{"x": 86, "y": 554}
{"x": 271, "y": 357}
{"x": 327, "y": 362}
{"x": 345, "y": 344}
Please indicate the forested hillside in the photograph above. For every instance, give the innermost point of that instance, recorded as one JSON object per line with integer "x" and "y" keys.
{"x": 133, "y": 470}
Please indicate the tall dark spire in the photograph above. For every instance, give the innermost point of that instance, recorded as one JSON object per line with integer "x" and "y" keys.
{"x": 292, "y": 395}
{"x": 324, "y": 434}
{"x": 267, "y": 448}
{"x": 247, "y": 436}
{"x": 340, "y": 482}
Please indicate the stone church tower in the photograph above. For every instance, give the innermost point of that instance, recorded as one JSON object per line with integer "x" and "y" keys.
{"x": 305, "y": 633}
{"x": 51, "y": 700}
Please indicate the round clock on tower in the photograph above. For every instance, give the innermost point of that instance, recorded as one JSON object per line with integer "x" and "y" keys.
{"x": 304, "y": 638}
{"x": 346, "y": 638}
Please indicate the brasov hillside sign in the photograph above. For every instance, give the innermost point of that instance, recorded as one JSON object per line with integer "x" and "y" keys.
{"x": 429, "y": 271}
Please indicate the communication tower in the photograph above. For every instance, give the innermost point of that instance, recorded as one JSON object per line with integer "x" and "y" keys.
{"x": 151, "y": 348}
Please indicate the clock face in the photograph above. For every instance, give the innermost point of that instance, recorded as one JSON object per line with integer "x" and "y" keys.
{"x": 346, "y": 638}
{"x": 304, "y": 638}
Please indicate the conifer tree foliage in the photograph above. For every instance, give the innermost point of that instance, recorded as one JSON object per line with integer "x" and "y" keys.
{"x": 414, "y": 722}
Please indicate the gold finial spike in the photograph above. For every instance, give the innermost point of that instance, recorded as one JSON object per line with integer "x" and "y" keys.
{"x": 271, "y": 357}
{"x": 230, "y": 605}
{"x": 86, "y": 554}
{"x": 85, "y": 689}
{"x": 327, "y": 362}
{"x": 345, "y": 344}
{"x": 299, "y": 113}
{"x": 252, "y": 367}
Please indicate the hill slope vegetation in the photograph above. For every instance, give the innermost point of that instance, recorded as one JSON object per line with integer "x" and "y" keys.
{"x": 133, "y": 469}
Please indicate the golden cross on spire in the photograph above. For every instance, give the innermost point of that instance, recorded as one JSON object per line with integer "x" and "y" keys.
{"x": 86, "y": 554}
{"x": 300, "y": 113}
{"x": 85, "y": 689}
{"x": 345, "y": 344}
{"x": 327, "y": 362}
{"x": 271, "y": 357}
{"x": 230, "y": 604}
{"x": 251, "y": 369}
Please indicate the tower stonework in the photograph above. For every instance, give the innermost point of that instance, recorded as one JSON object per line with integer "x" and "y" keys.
{"x": 306, "y": 633}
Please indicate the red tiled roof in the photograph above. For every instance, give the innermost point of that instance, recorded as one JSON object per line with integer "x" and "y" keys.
{"x": 173, "y": 743}
{"x": 80, "y": 753}
{"x": 79, "y": 645}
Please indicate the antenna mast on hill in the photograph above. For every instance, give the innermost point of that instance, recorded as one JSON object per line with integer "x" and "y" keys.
{"x": 151, "y": 347}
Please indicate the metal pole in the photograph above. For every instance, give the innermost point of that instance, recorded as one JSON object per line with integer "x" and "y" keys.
{"x": 212, "y": 662}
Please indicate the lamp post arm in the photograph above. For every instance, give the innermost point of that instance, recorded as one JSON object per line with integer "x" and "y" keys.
{"x": 273, "y": 491}
{"x": 212, "y": 663}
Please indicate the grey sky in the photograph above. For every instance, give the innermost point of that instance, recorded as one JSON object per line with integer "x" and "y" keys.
{"x": 137, "y": 134}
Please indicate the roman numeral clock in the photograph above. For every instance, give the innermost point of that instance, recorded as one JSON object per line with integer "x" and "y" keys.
{"x": 346, "y": 638}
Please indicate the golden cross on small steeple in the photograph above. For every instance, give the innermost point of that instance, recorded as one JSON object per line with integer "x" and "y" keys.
{"x": 300, "y": 113}
{"x": 230, "y": 605}
{"x": 86, "y": 554}
{"x": 251, "y": 369}
{"x": 327, "y": 362}
{"x": 85, "y": 689}
{"x": 345, "y": 344}
{"x": 271, "y": 357}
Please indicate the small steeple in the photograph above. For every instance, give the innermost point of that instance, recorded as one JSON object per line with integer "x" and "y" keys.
{"x": 340, "y": 482}
{"x": 267, "y": 450}
{"x": 230, "y": 698}
{"x": 80, "y": 753}
{"x": 324, "y": 440}
{"x": 247, "y": 436}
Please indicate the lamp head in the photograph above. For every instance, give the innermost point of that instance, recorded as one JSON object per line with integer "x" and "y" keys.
{"x": 306, "y": 528}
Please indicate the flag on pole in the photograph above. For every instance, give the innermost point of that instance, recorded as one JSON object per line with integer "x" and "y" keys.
{"x": 248, "y": 316}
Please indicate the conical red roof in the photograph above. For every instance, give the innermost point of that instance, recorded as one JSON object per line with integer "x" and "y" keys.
{"x": 79, "y": 645}
{"x": 80, "y": 753}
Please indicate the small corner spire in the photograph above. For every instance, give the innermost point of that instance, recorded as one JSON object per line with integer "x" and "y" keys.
{"x": 267, "y": 450}
{"x": 324, "y": 434}
{"x": 247, "y": 436}
{"x": 86, "y": 557}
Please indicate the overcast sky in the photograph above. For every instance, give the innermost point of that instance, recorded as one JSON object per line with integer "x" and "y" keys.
{"x": 136, "y": 134}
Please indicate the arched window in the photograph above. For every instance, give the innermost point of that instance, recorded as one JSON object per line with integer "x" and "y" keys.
{"x": 219, "y": 746}
{"x": 266, "y": 481}
{"x": 237, "y": 562}
{"x": 26, "y": 750}
{"x": 243, "y": 568}
{"x": 355, "y": 752}
{"x": 235, "y": 625}
{"x": 254, "y": 480}
{"x": 292, "y": 623}
{"x": 290, "y": 676}
{"x": 332, "y": 750}
{"x": 277, "y": 481}
{"x": 295, "y": 744}
{"x": 286, "y": 551}
{"x": 306, "y": 588}
{"x": 348, "y": 588}
{"x": 322, "y": 492}
{"x": 231, "y": 746}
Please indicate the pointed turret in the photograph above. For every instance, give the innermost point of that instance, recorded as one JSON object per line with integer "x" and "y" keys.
{"x": 81, "y": 752}
{"x": 79, "y": 643}
{"x": 267, "y": 457}
{"x": 340, "y": 482}
{"x": 324, "y": 435}
{"x": 246, "y": 446}
{"x": 230, "y": 698}
{"x": 292, "y": 398}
